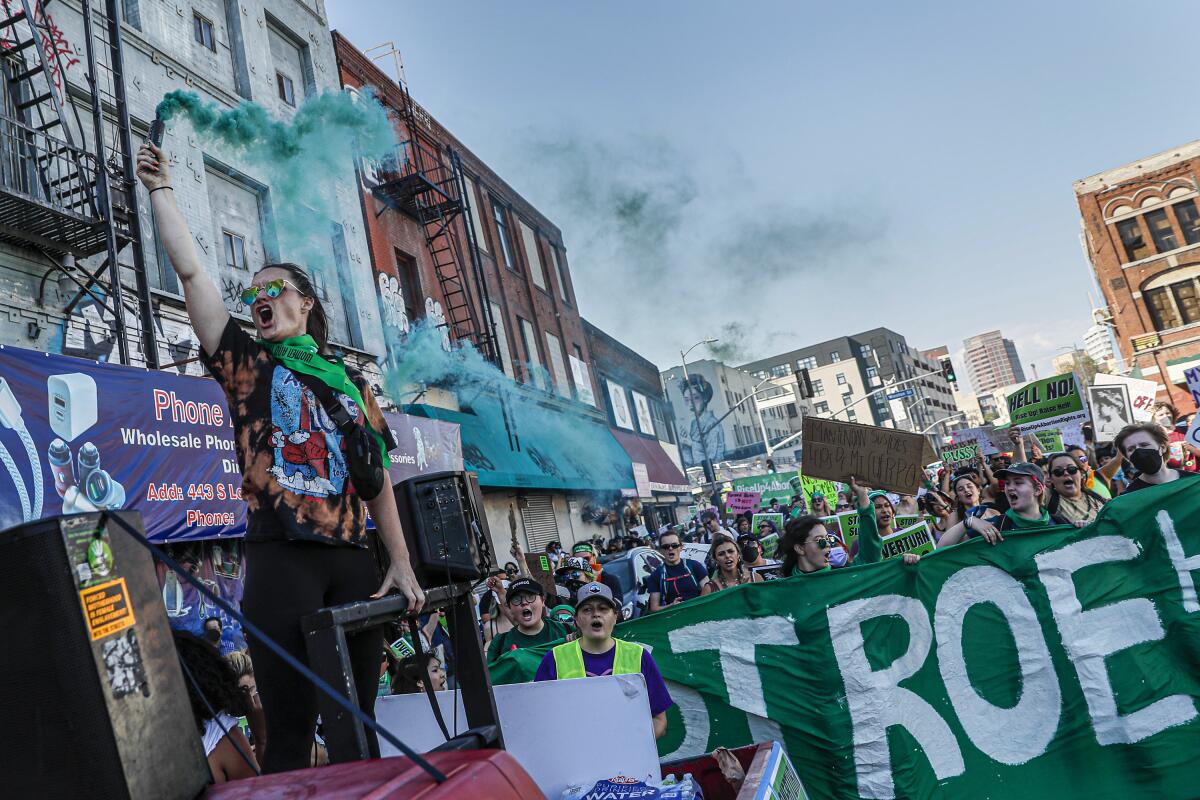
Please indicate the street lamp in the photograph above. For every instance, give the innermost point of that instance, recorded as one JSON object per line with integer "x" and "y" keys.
{"x": 709, "y": 473}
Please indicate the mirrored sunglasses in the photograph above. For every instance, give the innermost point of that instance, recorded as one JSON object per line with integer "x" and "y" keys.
{"x": 272, "y": 288}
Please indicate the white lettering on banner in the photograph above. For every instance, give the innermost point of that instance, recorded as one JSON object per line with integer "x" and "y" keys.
{"x": 695, "y": 721}
{"x": 1092, "y": 636}
{"x": 1184, "y": 565}
{"x": 735, "y": 640}
{"x": 1009, "y": 735}
{"x": 877, "y": 701}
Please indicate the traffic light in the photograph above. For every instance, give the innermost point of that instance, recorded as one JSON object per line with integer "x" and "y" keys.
{"x": 802, "y": 380}
{"x": 948, "y": 370}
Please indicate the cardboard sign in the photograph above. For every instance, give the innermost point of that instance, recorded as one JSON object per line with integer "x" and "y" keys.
{"x": 1141, "y": 393}
{"x": 542, "y": 571}
{"x": 1047, "y": 403}
{"x": 1111, "y": 410}
{"x": 881, "y": 458}
{"x": 966, "y": 455}
{"x": 913, "y": 539}
{"x": 978, "y": 436}
{"x": 741, "y": 502}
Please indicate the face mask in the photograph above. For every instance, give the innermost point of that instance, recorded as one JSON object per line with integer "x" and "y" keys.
{"x": 212, "y": 635}
{"x": 1147, "y": 459}
{"x": 838, "y": 557}
{"x": 749, "y": 553}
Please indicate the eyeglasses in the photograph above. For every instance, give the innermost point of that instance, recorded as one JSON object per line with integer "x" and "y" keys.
{"x": 272, "y": 288}
{"x": 522, "y": 600}
{"x": 1059, "y": 472}
{"x": 669, "y": 546}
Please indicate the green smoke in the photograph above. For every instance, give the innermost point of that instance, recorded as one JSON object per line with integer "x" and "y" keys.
{"x": 302, "y": 159}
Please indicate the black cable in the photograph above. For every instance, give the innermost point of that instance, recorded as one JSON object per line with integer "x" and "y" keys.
{"x": 312, "y": 677}
{"x": 187, "y": 673}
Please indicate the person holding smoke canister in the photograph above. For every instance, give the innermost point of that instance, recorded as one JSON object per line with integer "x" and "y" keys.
{"x": 306, "y": 529}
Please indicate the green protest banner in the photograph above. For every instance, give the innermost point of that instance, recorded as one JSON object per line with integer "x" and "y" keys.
{"x": 810, "y": 486}
{"x": 772, "y": 486}
{"x": 845, "y": 525}
{"x": 1057, "y": 663}
{"x": 769, "y": 541}
{"x": 1047, "y": 403}
{"x": 1051, "y": 441}
{"x": 914, "y": 538}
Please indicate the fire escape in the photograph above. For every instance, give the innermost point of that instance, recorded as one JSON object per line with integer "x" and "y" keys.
{"x": 58, "y": 195}
{"x": 427, "y": 184}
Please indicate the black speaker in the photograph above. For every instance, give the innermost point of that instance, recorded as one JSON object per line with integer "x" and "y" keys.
{"x": 442, "y": 516}
{"x": 92, "y": 698}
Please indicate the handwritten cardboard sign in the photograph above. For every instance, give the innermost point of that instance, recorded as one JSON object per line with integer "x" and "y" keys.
{"x": 542, "y": 571}
{"x": 966, "y": 455}
{"x": 881, "y": 458}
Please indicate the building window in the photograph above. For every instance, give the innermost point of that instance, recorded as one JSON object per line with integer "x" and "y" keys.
{"x": 808, "y": 362}
{"x": 841, "y": 379}
{"x": 850, "y": 415}
{"x": 558, "y": 271}
{"x": 818, "y": 387}
{"x": 1186, "y": 301}
{"x": 1131, "y": 238}
{"x": 779, "y": 371}
{"x": 202, "y": 31}
{"x": 1161, "y": 230}
{"x": 558, "y": 364}
{"x": 235, "y": 250}
{"x": 847, "y": 398}
{"x": 532, "y": 257}
{"x": 761, "y": 374}
{"x": 286, "y": 89}
{"x": 534, "y": 362}
{"x": 1189, "y": 220}
{"x": 502, "y": 339}
{"x": 872, "y": 373}
{"x": 864, "y": 350}
{"x": 502, "y": 232}
{"x": 821, "y": 408}
{"x": 476, "y": 222}
{"x": 835, "y": 357}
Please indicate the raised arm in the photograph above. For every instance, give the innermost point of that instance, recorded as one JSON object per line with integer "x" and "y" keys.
{"x": 204, "y": 306}
{"x": 1018, "y": 443}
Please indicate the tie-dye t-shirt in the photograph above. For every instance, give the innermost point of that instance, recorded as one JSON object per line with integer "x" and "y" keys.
{"x": 294, "y": 476}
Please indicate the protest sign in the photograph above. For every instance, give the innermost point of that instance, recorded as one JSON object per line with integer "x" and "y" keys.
{"x": 1111, "y": 410}
{"x": 810, "y": 486}
{"x": 915, "y": 538}
{"x": 1046, "y": 403}
{"x": 542, "y": 571}
{"x": 977, "y": 436}
{"x": 845, "y": 526}
{"x": 881, "y": 458}
{"x": 999, "y": 438}
{"x": 1051, "y": 441}
{"x": 772, "y": 486}
{"x": 962, "y": 456}
{"x": 774, "y": 519}
{"x": 1059, "y": 663}
{"x": 741, "y": 502}
{"x": 1141, "y": 393}
{"x": 1192, "y": 375}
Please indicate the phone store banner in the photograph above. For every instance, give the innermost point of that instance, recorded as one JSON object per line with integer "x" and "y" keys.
{"x": 79, "y": 435}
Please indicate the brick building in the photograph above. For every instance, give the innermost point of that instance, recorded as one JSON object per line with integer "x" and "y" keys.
{"x": 641, "y": 420}
{"x": 452, "y": 240}
{"x": 1141, "y": 231}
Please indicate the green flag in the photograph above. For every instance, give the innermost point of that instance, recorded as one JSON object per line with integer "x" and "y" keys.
{"x": 1058, "y": 663}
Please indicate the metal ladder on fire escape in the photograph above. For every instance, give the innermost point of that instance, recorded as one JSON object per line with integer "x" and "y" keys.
{"x": 99, "y": 185}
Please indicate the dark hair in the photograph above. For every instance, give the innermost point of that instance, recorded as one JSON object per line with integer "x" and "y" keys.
{"x": 795, "y": 533}
{"x": 923, "y": 500}
{"x": 717, "y": 541}
{"x": 1151, "y": 428}
{"x": 697, "y": 383}
{"x": 670, "y": 532}
{"x": 959, "y": 508}
{"x": 217, "y": 681}
{"x": 512, "y": 564}
{"x": 409, "y": 672}
{"x": 213, "y": 619}
{"x": 318, "y": 321}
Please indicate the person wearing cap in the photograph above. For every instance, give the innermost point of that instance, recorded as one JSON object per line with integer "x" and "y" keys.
{"x": 526, "y": 600}
{"x": 587, "y": 550}
{"x": 596, "y": 653}
{"x": 1024, "y": 485}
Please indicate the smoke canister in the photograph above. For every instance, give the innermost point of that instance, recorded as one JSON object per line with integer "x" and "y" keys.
{"x": 89, "y": 462}
{"x": 59, "y": 456}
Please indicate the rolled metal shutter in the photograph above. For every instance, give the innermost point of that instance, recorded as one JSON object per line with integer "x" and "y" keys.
{"x": 541, "y": 526}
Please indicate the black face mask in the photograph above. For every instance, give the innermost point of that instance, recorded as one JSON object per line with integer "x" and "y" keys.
{"x": 1147, "y": 459}
{"x": 212, "y": 634}
{"x": 749, "y": 553}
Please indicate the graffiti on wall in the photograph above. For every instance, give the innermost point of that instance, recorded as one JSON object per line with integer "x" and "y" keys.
{"x": 231, "y": 293}
{"x": 58, "y": 50}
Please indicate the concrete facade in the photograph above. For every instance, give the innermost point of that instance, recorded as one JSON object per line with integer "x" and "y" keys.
{"x": 992, "y": 362}
{"x": 1141, "y": 231}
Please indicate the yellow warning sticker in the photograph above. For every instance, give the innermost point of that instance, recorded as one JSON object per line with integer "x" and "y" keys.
{"x": 106, "y": 608}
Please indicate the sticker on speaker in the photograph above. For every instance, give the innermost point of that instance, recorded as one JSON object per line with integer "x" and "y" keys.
{"x": 106, "y": 608}
{"x": 123, "y": 663}
{"x": 88, "y": 547}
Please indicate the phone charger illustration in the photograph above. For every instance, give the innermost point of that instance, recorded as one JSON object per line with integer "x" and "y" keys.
{"x": 72, "y": 399}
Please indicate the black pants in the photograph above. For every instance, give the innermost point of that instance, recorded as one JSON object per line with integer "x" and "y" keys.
{"x": 284, "y": 582}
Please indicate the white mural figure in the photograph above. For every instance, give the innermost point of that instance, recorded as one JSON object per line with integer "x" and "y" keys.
{"x": 433, "y": 309}
{"x": 391, "y": 299}
{"x": 422, "y": 461}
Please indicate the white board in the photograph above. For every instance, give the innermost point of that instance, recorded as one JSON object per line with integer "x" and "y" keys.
{"x": 617, "y": 723}
{"x": 1141, "y": 393}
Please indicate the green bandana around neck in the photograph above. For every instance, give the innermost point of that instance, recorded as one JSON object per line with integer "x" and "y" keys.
{"x": 301, "y": 354}
{"x": 1020, "y": 522}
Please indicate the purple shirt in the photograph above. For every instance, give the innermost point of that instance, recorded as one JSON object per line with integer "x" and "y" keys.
{"x": 598, "y": 665}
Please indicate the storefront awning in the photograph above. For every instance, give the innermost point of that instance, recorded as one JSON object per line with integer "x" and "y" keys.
{"x": 661, "y": 471}
{"x": 1177, "y": 368}
{"x": 549, "y": 449}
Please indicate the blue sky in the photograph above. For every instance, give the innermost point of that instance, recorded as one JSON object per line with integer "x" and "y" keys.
{"x": 777, "y": 174}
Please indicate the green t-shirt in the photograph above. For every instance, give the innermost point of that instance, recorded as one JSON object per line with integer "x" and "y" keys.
{"x": 552, "y": 631}
{"x": 870, "y": 546}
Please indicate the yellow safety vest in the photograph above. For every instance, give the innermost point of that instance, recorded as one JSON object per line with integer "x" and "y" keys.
{"x": 568, "y": 659}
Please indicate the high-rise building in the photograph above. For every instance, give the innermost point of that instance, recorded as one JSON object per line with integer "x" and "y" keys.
{"x": 992, "y": 362}
{"x": 1141, "y": 228}
{"x": 1098, "y": 342}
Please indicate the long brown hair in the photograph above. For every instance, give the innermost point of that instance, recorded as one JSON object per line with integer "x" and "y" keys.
{"x": 318, "y": 321}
